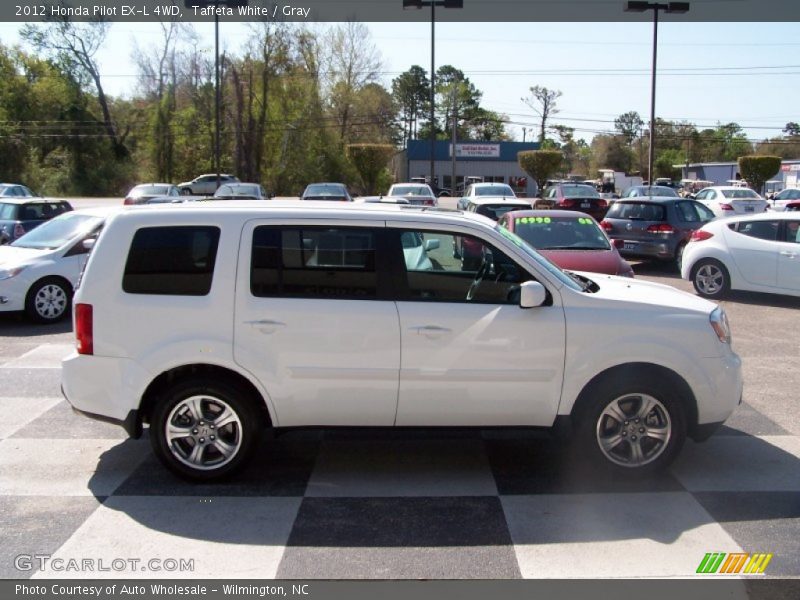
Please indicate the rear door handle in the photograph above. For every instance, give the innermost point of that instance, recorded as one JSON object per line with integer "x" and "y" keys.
{"x": 431, "y": 330}
{"x": 266, "y": 325}
{"x": 788, "y": 253}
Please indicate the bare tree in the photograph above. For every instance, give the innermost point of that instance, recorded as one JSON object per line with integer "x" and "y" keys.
{"x": 158, "y": 77}
{"x": 74, "y": 46}
{"x": 352, "y": 62}
{"x": 543, "y": 102}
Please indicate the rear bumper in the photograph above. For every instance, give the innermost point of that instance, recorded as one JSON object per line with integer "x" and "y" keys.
{"x": 132, "y": 424}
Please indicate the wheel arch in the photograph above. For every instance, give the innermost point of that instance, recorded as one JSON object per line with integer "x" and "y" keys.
{"x": 168, "y": 378}
{"x": 639, "y": 371}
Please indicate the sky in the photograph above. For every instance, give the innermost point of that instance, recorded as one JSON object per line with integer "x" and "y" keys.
{"x": 708, "y": 73}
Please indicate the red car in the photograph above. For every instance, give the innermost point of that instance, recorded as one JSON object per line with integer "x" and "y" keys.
{"x": 572, "y": 240}
{"x": 577, "y": 196}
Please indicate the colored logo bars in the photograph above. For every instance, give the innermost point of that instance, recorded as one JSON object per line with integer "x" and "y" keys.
{"x": 742, "y": 562}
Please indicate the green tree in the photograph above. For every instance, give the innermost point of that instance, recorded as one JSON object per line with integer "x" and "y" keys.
{"x": 411, "y": 92}
{"x": 541, "y": 165}
{"x": 629, "y": 125}
{"x": 370, "y": 161}
{"x": 757, "y": 170}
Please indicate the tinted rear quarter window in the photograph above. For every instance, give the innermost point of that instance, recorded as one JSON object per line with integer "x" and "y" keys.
{"x": 173, "y": 261}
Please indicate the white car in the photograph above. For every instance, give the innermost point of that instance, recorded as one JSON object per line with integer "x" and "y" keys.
{"x": 729, "y": 200}
{"x": 784, "y": 197}
{"x": 39, "y": 270}
{"x": 480, "y": 190}
{"x": 415, "y": 193}
{"x": 759, "y": 253}
{"x": 240, "y": 317}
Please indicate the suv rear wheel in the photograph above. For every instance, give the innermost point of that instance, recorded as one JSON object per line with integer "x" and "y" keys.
{"x": 633, "y": 427}
{"x": 203, "y": 429}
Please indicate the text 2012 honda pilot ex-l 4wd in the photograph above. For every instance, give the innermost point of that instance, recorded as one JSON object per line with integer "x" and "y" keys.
{"x": 211, "y": 323}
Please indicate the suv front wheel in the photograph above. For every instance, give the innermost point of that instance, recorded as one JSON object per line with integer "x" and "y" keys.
{"x": 633, "y": 428}
{"x": 203, "y": 429}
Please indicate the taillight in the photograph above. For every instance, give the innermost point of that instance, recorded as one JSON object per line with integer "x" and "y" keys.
{"x": 661, "y": 228}
{"x": 602, "y": 203}
{"x": 606, "y": 225}
{"x": 128, "y": 201}
{"x": 699, "y": 235}
{"x": 84, "y": 329}
{"x": 19, "y": 230}
{"x": 427, "y": 202}
{"x": 725, "y": 207}
{"x": 568, "y": 203}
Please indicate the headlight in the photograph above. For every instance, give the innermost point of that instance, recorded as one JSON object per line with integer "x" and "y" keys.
{"x": 720, "y": 325}
{"x": 9, "y": 273}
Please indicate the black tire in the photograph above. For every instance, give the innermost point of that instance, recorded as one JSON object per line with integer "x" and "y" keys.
{"x": 48, "y": 300}
{"x": 186, "y": 192}
{"x": 711, "y": 279}
{"x": 597, "y": 428}
{"x": 209, "y": 397}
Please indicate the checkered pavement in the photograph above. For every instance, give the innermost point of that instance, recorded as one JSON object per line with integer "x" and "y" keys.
{"x": 376, "y": 504}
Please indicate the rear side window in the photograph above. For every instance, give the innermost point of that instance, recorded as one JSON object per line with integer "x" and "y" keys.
{"x": 172, "y": 261}
{"x": 314, "y": 262}
{"x": 763, "y": 230}
{"x": 637, "y": 211}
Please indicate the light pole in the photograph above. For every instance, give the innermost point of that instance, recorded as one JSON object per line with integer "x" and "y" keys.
{"x": 670, "y": 7}
{"x": 418, "y": 4}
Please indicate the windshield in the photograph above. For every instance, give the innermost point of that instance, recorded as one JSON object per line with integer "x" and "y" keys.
{"x": 655, "y": 190}
{"x": 494, "y": 190}
{"x": 637, "y": 211}
{"x": 8, "y": 212}
{"x": 57, "y": 232}
{"x": 410, "y": 190}
{"x": 579, "y": 191}
{"x": 495, "y": 211}
{"x": 238, "y": 190}
{"x": 150, "y": 190}
{"x": 324, "y": 189}
{"x": 741, "y": 193}
{"x": 560, "y": 233}
{"x": 540, "y": 260}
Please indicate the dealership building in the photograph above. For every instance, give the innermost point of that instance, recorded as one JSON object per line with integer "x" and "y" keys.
{"x": 491, "y": 161}
{"x": 721, "y": 173}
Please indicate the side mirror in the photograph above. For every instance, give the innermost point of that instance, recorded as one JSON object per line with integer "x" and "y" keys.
{"x": 88, "y": 243}
{"x": 532, "y": 294}
{"x": 431, "y": 245}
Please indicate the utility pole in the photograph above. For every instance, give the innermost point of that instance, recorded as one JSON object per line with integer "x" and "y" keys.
{"x": 455, "y": 123}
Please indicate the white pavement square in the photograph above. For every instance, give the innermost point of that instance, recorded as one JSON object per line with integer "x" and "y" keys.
{"x": 46, "y": 467}
{"x": 18, "y": 412}
{"x": 45, "y": 356}
{"x": 225, "y": 537}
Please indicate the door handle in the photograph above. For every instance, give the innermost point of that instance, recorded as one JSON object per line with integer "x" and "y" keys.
{"x": 788, "y": 253}
{"x": 266, "y": 325}
{"x": 431, "y": 330}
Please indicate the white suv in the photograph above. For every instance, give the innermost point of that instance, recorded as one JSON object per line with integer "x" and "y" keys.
{"x": 212, "y": 322}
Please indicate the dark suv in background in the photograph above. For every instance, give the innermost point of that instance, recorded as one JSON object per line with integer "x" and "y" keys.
{"x": 654, "y": 227}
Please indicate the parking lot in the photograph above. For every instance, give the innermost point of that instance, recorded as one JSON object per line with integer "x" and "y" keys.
{"x": 401, "y": 504}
